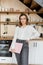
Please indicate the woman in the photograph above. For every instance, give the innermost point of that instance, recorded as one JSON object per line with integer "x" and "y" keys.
{"x": 23, "y": 34}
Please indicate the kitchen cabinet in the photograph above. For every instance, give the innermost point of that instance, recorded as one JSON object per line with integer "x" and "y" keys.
{"x": 36, "y": 52}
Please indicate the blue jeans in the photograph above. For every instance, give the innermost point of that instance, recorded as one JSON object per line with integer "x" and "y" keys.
{"x": 22, "y": 58}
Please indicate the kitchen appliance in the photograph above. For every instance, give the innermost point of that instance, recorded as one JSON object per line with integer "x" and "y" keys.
{"x": 5, "y": 55}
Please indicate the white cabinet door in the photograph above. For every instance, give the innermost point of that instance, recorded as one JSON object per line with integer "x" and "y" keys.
{"x": 39, "y": 53}
{"x": 36, "y": 52}
{"x": 32, "y": 52}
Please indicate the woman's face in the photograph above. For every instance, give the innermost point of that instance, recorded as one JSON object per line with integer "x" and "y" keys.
{"x": 23, "y": 20}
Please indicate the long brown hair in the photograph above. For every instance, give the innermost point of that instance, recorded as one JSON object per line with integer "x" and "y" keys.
{"x": 22, "y": 14}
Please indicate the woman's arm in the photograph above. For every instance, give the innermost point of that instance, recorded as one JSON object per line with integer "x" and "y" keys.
{"x": 14, "y": 39}
{"x": 35, "y": 33}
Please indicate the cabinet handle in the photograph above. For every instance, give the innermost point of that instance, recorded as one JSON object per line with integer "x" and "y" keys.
{"x": 35, "y": 44}
{"x": 3, "y": 59}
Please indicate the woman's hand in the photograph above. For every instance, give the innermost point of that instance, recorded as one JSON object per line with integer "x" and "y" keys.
{"x": 27, "y": 41}
{"x": 12, "y": 50}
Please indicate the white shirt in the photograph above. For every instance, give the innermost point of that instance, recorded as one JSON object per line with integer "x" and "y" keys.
{"x": 25, "y": 33}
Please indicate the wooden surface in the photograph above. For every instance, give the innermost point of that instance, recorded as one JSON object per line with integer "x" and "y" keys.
{"x": 11, "y": 38}
{"x": 15, "y": 23}
{"x": 8, "y": 64}
{"x": 18, "y": 12}
{"x": 6, "y": 38}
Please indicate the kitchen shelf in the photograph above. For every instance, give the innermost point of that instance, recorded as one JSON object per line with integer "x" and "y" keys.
{"x": 11, "y": 38}
{"x": 37, "y": 23}
{"x": 16, "y": 23}
{"x": 9, "y": 23}
{"x": 9, "y": 12}
{"x": 18, "y": 12}
{"x": 15, "y": 12}
{"x": 6, "y": 38}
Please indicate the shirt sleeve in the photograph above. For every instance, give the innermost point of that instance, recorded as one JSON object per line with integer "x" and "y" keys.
{"x": 34, "y": 33}
{"x": 14, "y": 39}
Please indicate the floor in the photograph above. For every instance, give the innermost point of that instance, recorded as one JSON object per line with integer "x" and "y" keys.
{"x": 16, "y": 64}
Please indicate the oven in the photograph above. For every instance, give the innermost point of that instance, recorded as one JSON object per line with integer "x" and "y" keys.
{"x": 5, "y": 55}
